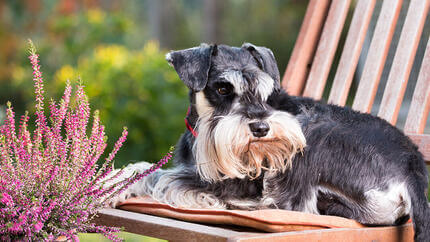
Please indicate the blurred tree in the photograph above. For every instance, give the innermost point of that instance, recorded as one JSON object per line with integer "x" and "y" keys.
{"x": 162, "y": 14}
{"x": 213, "y": 13}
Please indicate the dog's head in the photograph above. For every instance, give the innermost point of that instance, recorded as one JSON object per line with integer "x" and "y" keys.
{"x": 239, "y": 133}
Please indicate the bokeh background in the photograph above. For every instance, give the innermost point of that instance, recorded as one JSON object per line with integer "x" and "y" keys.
{"x": 117, "y": 48}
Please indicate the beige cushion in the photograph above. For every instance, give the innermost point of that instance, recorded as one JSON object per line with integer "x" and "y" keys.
{"x": 270, "y": 220}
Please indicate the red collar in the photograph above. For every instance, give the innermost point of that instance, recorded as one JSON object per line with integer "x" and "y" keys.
{"x": 188, "y": 124}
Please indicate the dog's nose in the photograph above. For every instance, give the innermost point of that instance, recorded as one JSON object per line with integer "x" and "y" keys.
{"x": 259, "y": 129}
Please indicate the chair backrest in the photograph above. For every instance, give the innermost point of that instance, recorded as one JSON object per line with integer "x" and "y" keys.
{"x": 311, "y": 61}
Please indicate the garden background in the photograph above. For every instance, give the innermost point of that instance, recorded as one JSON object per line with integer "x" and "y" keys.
{"x": 117, "y": 48}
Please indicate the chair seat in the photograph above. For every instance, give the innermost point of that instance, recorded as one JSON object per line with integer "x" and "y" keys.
{"x": 269, "y": 220}
{"x": 180, "y": 224}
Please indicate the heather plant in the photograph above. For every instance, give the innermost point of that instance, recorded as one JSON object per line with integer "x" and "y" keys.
{"x": 139, "y": 90}
{"x": 50, "y": 183}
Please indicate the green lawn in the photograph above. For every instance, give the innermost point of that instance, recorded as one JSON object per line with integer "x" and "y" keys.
{"x": 129, "y": 237}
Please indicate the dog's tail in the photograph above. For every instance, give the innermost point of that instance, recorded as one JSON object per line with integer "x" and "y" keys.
{"x": 420, "y": 208}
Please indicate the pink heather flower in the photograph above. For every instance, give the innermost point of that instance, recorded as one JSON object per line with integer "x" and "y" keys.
{"x": 49, "y": 179}
{"x": 6, "y": 199}
{"x": 38, "y": 226}
{"x": 22, "y": 218}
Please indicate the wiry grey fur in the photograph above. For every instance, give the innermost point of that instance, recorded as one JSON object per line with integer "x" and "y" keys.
{"x": 257, "y": 147}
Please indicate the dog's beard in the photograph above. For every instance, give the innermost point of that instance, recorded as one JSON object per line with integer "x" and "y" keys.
{"x": 229, "y": 150}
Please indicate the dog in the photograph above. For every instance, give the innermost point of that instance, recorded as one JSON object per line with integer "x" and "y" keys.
{"x": 249, "y": 145}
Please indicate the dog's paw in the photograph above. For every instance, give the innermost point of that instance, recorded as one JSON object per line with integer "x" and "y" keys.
{"x": 120, "y": 198}
{"x": 133, "y": 190}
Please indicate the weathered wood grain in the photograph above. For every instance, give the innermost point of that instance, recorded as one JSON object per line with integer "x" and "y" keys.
{"x": 351, "y": 51}
{"x": 301, "y": 59}
{"x": 164, "y": 228}
{"x": 420, "y": 105}
{"x": 377, "y": 55}
{"x": 326, "y": 49}
{"x": 404, "y": 233}
{"x": 174, "y": 230}
{"x": 403, "y": 60}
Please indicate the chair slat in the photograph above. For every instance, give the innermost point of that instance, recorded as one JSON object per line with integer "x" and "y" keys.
{"x": 403, "y": 60}
{"x": 351, "y": 51}
{"x": 326, "y": 49}
{"x": 420, "y": 105}
{"x": 377, "y": 55}
{"x": 304, "y": 49}
{"x": 423, "y": 143}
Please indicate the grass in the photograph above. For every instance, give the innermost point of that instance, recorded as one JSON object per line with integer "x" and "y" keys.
{"x": 128, "y": 237}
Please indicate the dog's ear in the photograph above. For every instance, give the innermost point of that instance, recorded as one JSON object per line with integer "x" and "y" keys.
{"x": 265, "y": 59}
{"x": 192, "y": 65}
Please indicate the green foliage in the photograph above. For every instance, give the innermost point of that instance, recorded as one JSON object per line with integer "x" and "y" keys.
{"x": 63, "y": 39}
{"x": 131, "y": 86}
{"x": 129, "y": 237}
{"x": 136, "y": 89}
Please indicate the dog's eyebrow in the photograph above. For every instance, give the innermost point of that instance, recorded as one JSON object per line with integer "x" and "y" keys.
{"x": 265, "y": 86}
{"x": 236, "y": 79}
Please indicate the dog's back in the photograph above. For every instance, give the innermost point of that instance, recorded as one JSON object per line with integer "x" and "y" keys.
{"x": 357, "y": 166}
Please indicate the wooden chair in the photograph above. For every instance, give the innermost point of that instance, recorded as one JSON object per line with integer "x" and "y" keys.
{"x": 307, "y": 74}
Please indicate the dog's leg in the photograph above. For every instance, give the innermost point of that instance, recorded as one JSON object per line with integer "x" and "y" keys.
{"x": 175, "y": 187}
{"x": 378, "y": 206}
{"x": 180, "y": 188}
{"x": 420, "y": 208}
{"x": 331, "y": 204}
{"x": 141, "y": 187}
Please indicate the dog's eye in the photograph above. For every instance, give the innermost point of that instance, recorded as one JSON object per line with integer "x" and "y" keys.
{"x": 224, "y": 91}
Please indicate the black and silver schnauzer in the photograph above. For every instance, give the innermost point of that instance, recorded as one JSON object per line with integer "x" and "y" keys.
{"x": 249, "y": 145}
